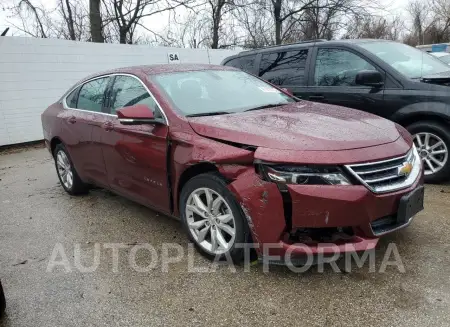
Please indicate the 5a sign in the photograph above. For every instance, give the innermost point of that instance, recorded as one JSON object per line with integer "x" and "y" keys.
{"x": 174, "y": 57}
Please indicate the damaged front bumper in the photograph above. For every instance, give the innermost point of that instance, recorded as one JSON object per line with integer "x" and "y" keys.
{"x": 315, "y": 219}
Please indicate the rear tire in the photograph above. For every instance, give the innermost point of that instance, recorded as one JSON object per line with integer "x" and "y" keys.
{"x": 217, "y": 230}
{"x": 67, "y": 174}
{"x": 2, "y": 301}
{"x": 435, "y": 157}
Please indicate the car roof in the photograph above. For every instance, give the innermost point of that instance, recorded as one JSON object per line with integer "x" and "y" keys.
{"x": 159, "y": 69}
{"x": 305, "y": 44}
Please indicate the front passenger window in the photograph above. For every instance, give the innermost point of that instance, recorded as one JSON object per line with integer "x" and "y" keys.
{"x": 338, "y": 67}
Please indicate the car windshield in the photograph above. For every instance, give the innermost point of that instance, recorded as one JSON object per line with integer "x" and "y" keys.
{"x": 210, "y": 92}
{"x": 409, "y": 61}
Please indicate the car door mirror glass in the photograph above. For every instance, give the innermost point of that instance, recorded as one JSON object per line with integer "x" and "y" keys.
{"x": 369, "y": 78}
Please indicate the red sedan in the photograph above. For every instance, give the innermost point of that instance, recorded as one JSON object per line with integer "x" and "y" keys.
{"x": 236, "y": 159}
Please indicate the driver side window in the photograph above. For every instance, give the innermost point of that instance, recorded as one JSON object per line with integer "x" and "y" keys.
{"x": 338, "y": 67}
{"x": 128, "y": 91}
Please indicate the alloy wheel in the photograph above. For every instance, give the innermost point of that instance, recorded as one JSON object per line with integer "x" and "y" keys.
{"x": 210, "y": 221}
{"x": 64, "y": 169}
{"x": 432, "y": 150}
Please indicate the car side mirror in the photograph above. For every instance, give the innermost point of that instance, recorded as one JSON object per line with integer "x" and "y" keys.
{"x": 369, "y": 78}
{"x": 287, "y": 91}
{"x": 137, "y": 115}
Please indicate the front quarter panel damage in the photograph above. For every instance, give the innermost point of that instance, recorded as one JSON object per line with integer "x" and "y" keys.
{"x": 260, "y": 201}
{"x": 262, "y": 205}
{"x": 189, "y": 150}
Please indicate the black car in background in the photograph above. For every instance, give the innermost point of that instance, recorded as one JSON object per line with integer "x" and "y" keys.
{"x": 389, "y": 79}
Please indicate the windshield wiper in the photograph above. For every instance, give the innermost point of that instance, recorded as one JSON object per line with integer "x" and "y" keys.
{"x": 214, "y": 113}
{"x": 267, "y": 106}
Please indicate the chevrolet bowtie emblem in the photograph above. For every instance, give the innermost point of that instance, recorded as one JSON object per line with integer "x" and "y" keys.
{"x": 405, "y": 169}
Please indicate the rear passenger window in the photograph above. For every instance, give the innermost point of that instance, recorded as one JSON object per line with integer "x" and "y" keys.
{"x": 91, "y": 95}
{"x": 245, "y": 63}
{"x": 128, "y": 91}
{"x": 284, "y": 68}
{"x": 72, "y": 98}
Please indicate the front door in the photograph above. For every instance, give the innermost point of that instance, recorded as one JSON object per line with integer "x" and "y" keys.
{"x": 333, "y": 81}
{"x": 136, "y": 155}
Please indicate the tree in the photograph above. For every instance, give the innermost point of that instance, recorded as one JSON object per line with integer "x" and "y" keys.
{"x": 67, "y": 21}
{"x": 284, "y": 15}
{"x": 95, "y": 20}
{"x": 375, "y": 28}
{"x": 34, "y": 19}
{"x": 324, "y": 19}
{"x": 66, "y": 10}
{"x": 419, "y": 14}
{"x": 256, "y": 22}
{"x": 219, "y": 8}
{"x": 127, "y": 14}
{"x": 72, "y": 22}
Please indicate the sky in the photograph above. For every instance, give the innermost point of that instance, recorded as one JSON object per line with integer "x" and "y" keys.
{"x": 158, "y": 22}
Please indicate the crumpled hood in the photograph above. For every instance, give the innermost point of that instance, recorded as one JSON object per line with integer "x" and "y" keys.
{"x": 299, "y": 126}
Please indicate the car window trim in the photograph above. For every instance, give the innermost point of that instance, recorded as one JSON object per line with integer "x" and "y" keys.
{"x": 64, "y": 102}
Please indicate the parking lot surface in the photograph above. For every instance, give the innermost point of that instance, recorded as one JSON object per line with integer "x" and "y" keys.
{"x": 38, "y": 218}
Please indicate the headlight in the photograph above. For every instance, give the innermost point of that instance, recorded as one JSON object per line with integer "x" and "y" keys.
{"x": 286, "y": 174}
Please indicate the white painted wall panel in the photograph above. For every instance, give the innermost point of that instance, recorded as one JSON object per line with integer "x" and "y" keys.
{"x": 35, "y": 73}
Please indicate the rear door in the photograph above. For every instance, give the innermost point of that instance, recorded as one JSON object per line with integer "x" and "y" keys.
{"x": 286, "y": 68}
{"x": 136, "y": 155}
{"x": 332, "y": 80}
{"x": 85, "y": 116}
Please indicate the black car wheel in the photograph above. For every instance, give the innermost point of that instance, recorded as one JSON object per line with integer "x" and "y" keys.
{"x": 432, "y": 141}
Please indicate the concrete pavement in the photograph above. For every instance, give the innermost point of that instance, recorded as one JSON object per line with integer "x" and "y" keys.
{"x": 36, "y": 214}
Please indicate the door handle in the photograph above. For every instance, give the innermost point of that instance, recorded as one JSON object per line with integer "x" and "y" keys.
{"x": 71, "y": 120}
{"x": 316, "y": 97}
{"x": 108, "y": 126}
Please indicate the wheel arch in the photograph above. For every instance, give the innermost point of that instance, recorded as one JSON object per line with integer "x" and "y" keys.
{"x": 419, "y": 112}
{"x": 191, "y": 172}
{"x": 54, "y": 142}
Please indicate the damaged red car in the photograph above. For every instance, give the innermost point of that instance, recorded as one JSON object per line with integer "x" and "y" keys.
{"x": 237, "y": 159}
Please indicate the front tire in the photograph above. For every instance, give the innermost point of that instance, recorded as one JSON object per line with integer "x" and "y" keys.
{"x": 433, "y": 143}
{"x": 67, "y": 174}
{"x": 212, "y": 218}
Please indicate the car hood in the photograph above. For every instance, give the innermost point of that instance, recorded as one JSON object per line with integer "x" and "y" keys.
{"x": 439, "y": 79}
{"x": 299, "y": 126}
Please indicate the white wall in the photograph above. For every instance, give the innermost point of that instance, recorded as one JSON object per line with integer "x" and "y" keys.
{"x": 35, "y": 73}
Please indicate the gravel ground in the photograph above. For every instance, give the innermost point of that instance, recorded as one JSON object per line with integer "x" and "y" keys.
{"x": 37, "y": 217}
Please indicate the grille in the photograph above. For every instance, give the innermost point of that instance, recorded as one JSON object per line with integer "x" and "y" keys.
{"x": 384, "y": 176}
